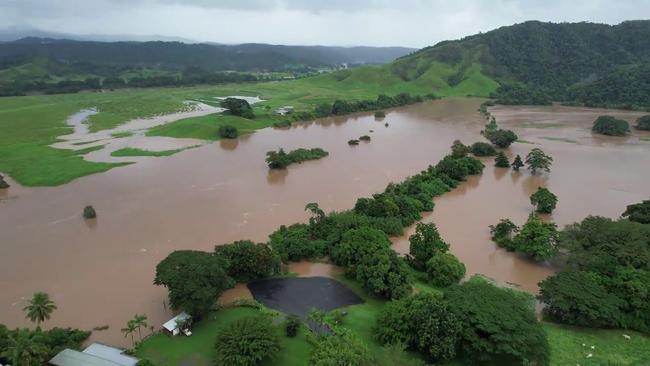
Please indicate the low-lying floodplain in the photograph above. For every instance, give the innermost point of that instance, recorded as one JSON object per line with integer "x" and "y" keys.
{"x": 222, "y": 191}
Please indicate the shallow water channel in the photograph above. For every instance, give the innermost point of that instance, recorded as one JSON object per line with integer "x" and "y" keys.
{"x": 101, "y": 272}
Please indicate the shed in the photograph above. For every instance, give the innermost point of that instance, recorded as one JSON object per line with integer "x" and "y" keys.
{"x": 172, "y": 324}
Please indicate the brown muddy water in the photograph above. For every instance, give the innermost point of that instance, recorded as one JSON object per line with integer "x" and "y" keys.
{"x": 101, "y": 272}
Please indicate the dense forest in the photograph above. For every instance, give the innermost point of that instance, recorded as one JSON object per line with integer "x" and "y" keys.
{"x": 535, "y": 62}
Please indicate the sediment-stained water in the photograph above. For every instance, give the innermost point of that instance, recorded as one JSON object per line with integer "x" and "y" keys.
{"x": 101, "y": 272}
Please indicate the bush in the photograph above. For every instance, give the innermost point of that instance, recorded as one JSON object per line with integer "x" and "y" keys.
{"x": 365, "y": 138}
{"x": 380, "y": 114}
{"x": 423, "y": 322}
{"x": 238, "y": 107}
{"x": 228, "y": 132}
{"x": 247, "y": 342}
{"x": 353, "y": 142}
{"x": 643, "y": 123}
{"x": 483, "y": 149}
{"x": 638, "y": 212}
{"x": 543, "y": 200}
{"x": 503, "y": 233}
{"x": 282, "y": 124}
{"x": 498, "y": 325}
{"x": 89, "y": 212}
{"x": 3, "y": 184}
{"x": 444, "y": 269}
{"x": 610, "y": 126}
{"x": 248, "y": 261}
{"x": 292, "y": 326}
{"x": 459, "y": 150}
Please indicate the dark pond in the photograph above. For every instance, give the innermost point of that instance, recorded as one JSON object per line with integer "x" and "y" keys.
{"x": 299, "y": 295}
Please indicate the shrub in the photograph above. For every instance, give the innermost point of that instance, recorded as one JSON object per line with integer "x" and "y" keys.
{"x": 353, "y": 142}
{"x": 503, "y": 233}
{"x": 246, "y": 342}
{"x": 282, "y": 124}
{"x": 643, "y": 123}
{"x": 292, "y": 325}
{"x": 228, "y": 132}
{"x": 280, "y": 159}
{"x": 610, "y": 126}
{"x": 517, "y": 163}
{"x": 380, "y": 114}
{"x": 459, "y": 150}
{"x": 3, "y": 184}
{"x": 423, "y": 322}
{"x": 543, "y": 200}
{"x": 444, "y": 269}
{"x": 365, "y": 138}
{"x": 89, "y": 212}
{"x": 483, "y": 149}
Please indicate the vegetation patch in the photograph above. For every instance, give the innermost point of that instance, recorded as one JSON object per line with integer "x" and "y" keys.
{"x": 130, "y": 151}
{"x": 122, "y": 134}
{"x": 541, "y": 125}
{"x": 610, "y": 126}
{"x": 280, "y": 159}
{"x": 562, "y": 139}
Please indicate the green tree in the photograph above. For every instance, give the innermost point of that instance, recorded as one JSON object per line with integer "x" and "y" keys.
{"x": 89, "y": 212}
{"x": 497, "y": 325}
{"x": 643, "y": 123}
{"x": 503, "y": 233}
{"x": 277, "y": 160}
{"x": 422, "y": 322}
{"x": 130, "y": 328}
{"x": 24, "y": 348}
{"x": 140, "y": 321}
{"x": 384, "y": 274}
{"x": 238, "y": 107}
{"x": 537, "y": 239}
{"x": 638, "y": 212}
{"x": 247, "y": 342}
{"x": 517, "y": 163}
{"x": 425, "y": 243}
{"x": 228, "y": 132}
{"x": 501, "y": 161}
{"x": 537, "y": 160}
{"x": 292, "y": 325}
{"x": 459, "y": 150}
{"x": 194, "y": 280}
{"x": 610, "y": 126}
{"x": 3, "y": 184}
{"x": 344, "y": 348}
{"x": 356, "y": 244}
{"x": 40, "y": 308}
{"x": 579, "y": 298}
{"x": 444, "y": 269}
{"x": 248, "y": 261}
{"x": 543, "y": 200}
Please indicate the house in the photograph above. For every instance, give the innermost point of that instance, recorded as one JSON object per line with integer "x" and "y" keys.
{"x": 96, "y": 354}
{"x": 284, "y": 110}
{"x": 171, "y": 325}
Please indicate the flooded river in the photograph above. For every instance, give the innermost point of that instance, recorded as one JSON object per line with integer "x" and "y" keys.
{"x": 101, "y": 272}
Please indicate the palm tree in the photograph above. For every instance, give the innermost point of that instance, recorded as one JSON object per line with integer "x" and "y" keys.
{"x": 40, "y": 308}
{"x": 140, "y": 320}
{"x": 24, "y": 348}
{"x": 129, "y": 330}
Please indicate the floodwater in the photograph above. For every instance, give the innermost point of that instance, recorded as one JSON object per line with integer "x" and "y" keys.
{"x": 101, "y": 272}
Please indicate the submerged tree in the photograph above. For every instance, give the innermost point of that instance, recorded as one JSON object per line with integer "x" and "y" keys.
{"x": 639, "y": 212}
{"x": 425, "y": 243}
{"x": 501, "y": 161}
{"x": 543, "y": 200}
{"x": 537, "y": 160}
{"x": 3, "y": 184}
{"x": 459, "y": 150}
{"x": 228, "y": 132}
{"x": 89, "y": 212}
{"x": 610, "y": 126}
{"x": 517, "y": 163}
{"x": 537, "y": 239}
{"x": 40, "y": 308}
{"x": 643, "y": 123}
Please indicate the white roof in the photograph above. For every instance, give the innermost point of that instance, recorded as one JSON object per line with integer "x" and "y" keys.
{"x": 170, "y": 325}
{"x": 110, "y": 353}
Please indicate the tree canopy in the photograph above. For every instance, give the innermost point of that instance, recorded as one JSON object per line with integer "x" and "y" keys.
{"x": 248, "y": 261}
{"x": 425, "y": 243}
{"x": 247, "y": 342}
{"x": 638, "y": 212}
{"x": 610, "y": 126}
{"x": 238, "y": 107}
{"x": 538, "y": 160}
{"x": 643, "y": 123}
{"x": 543, "y": 200}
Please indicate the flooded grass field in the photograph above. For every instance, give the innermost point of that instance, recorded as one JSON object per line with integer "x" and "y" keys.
{"x": 101, "y": 272}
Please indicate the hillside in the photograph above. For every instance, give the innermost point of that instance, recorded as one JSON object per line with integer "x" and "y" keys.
{"x": 534, "y": 62}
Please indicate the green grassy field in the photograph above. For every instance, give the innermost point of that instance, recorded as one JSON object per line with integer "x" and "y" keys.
{"x": 28, "y": 125}
{"x": 198, "y": 350}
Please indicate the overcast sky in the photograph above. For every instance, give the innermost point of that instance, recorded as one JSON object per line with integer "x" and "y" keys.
{"x": 414, "y": 23}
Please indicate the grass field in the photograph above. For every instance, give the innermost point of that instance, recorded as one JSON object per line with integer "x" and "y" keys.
{"x": 198, "y": 350}
{"x": 28, "y": 125}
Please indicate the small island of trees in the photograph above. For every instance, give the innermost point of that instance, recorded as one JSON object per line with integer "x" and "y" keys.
{"x": 610, "y": 126}
{"x": 238, "y": 107}
{"x": 280, "y": 159}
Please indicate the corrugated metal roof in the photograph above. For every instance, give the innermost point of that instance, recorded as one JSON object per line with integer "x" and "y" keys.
{"x": 110, "y": 353}
{"x": 69, "y": 357}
